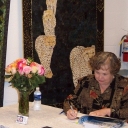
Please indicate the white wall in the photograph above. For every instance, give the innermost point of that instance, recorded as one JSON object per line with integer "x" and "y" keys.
{"x": 115, "y": 19}
{"x": 14, "y": 46}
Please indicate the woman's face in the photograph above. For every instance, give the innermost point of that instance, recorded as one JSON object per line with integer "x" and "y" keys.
{"x": 103, "y": 76}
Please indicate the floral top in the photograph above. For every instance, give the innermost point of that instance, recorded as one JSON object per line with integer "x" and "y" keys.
{"x": 87, "y": 97}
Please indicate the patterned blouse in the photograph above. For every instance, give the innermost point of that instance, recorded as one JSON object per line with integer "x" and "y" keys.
{"x": 87, "y": 97}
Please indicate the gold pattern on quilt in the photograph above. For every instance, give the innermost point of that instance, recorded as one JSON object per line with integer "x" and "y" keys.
{"x": 100, "y": 35}
{"x": 44, "y": 46}
{"x": 51, "y": 5}
{"x": 100, "y": 5}
{"x": 79, "y": 64}
{"x": 49, "y": 22}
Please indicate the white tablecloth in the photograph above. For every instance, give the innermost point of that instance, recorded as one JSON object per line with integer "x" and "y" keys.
{"x": 47, "y": 116}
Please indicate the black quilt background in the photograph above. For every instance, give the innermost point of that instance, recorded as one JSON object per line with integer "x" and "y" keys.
{"x": 76, "y": 24}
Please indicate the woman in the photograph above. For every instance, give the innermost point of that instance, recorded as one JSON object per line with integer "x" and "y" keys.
{"x": 104, "y": 93}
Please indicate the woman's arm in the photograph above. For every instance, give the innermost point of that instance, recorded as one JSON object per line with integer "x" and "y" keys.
{"x": 72, "y": 101}
{"x": 101, "y": 112}
{"x": 120, "y": 100}
{"x": 122, "y": 112}
{"x": 69, "y": 106}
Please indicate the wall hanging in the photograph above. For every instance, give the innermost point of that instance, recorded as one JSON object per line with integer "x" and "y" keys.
{"x": 52, "y": 28}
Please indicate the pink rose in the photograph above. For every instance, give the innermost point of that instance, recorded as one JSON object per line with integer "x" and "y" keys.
{"x": 20, "y": 65}
{"x": 40, "y": 70}
{"x": 21, "y": 72}
{"x": 27, "y": 69}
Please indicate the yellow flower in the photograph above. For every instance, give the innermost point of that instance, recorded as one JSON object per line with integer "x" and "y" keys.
{"x": 34, "y": 69}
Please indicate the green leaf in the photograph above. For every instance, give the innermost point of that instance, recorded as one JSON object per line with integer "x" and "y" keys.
{"x": 8, "y": 76}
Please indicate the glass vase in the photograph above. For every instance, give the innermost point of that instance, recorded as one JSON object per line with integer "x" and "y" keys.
{"x": 24, "y": 103}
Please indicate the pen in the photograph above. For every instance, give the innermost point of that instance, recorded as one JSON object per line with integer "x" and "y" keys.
{"x": 71, "y": 107}
{"x": 74, "y": 111}
{"x": 61, "y": 112}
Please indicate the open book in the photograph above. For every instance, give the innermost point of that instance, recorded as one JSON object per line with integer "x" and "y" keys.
{"x": 100, "y": 122}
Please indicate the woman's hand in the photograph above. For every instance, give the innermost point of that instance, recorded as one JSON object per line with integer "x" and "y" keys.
{"x": 71, "y": 114}
{"x": 102, "y": 112}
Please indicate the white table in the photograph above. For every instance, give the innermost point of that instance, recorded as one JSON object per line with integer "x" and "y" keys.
{"x": 47, "y": 116}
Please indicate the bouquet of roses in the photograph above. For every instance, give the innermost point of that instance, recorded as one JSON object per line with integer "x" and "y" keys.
{"x": 25, "y": 74}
